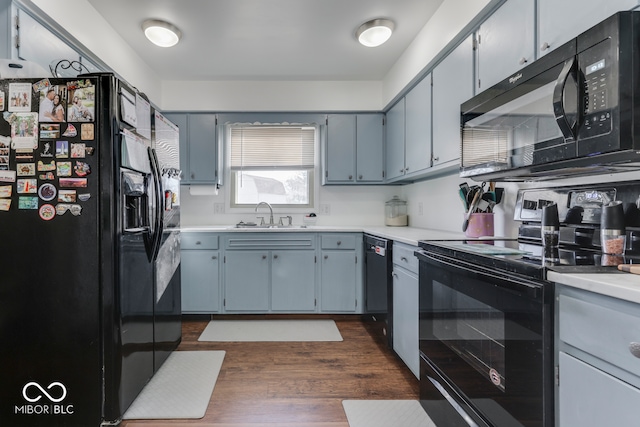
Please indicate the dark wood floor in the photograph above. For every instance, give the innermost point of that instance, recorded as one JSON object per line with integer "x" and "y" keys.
{"x": 298, "y": 384}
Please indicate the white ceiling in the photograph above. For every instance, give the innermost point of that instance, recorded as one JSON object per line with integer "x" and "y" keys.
{"x": 268, "y": 39}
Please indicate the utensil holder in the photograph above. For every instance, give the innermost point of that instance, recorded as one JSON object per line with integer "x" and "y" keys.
{"x": 480, "y": 224}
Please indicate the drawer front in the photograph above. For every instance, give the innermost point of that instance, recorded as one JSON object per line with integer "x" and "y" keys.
{"x": 267, "y": 241}
{"x": 609, "y": 334}
{"x": 590, "y": 397}
{"x": 403, "y": 256}
{"x": 199, "y": 241}
{"x": 338, "y": 241}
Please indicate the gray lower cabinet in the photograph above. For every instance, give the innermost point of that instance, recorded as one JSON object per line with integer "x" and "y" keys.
{"x": 405, "y": 306}
{"x": 598, "y": 359}
{"x": 293, "y": 281}
{"x": 200, "y": 267}
{"x": 341, "y": 273}
{"x": 246, "y": 278}
{"x": 269, "y": 272}
{"x": 272, "y": 272}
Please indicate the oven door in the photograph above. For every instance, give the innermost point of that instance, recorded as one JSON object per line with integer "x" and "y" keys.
{"x": 485, "y": 345}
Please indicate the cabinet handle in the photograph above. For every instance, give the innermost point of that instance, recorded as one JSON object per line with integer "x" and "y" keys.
{"x": 193, "y": 175}
{"x": 214, "y": 257}
{"x": 435, "y": 159}
{"x": 634, "y": 348}
{"x": 326, "y": 256}
{"x": 350, "y": 176}
{"x": 359, "y": 176}
{"x": 198, "y": 242}
{"x": 339, "y": 242}
{"x": 522, "y": 61}
{"x": 264, "y": 257}
{"x": 401, "y": 170}
{"x": 545, "y": 46}
{"x": 403, "y": 259}
{"x": 275, "y": 257}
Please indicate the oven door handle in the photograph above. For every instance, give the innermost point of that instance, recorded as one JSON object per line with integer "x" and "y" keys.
{"x": 531, "y": 288}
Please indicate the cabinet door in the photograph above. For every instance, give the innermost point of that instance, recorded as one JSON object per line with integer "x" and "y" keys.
{"x": 452, "y": 85}
{"x": 293, "y": 283}
{"x": 589, "y": 397}
{"x": 181, "y": 120}
{"x": 395, "y": 140}
{"x": 370, "y": 148}
{"x": 341, "y": 148}
{"x": 561, "y": 20}
{"x": 505, "y": 42}
{"x": 202, "y": 148}
{"x": 338, "y": 281}
{"x": 246, "y": 281}
{"x": 200, "y": 283}
{"x": 418, "y": 127}
{"x": 405, "y": 319}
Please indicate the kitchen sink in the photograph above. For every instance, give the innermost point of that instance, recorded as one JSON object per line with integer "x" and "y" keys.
{"x": 252, "y": 225}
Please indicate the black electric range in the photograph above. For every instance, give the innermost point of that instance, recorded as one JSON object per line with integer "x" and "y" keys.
{"x": 527, "y": 258}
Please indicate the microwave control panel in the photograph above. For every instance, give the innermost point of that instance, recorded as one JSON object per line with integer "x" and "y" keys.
{"x": 599, "y": 100}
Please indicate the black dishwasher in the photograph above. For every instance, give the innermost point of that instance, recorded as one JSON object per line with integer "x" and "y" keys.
{"x": 379, "y": 283}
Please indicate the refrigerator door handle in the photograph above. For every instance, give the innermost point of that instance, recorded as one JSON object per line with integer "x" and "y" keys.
{"x": 159, "y": 205}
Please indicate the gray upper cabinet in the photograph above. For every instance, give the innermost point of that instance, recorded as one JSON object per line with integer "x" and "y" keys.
{"x": 370, "y": 148}
{"x": 198, "y": 147}
{"x": 418, "y": 127}
{"x": 561, "y": 20}
{"x": 354, "y": 149}
{"x": 505, "y": 42}
{"x": 341, "y": 148}
{"x": 203, "y": 149}
{"x": 395, "y": 141}
{"x": 452, "y": 85}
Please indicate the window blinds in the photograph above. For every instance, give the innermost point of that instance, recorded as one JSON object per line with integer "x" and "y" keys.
{"x": 272, "y": 147}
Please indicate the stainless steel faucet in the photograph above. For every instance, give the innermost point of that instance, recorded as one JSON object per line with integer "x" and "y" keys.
{"x": 270, "y": 211}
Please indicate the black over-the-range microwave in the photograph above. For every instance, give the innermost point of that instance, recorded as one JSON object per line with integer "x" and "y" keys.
{"x": 575, "y": 111}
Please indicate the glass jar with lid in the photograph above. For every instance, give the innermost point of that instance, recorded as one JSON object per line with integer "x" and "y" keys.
{"x": 396, "y": 212}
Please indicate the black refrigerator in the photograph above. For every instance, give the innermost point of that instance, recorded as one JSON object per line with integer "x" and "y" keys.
{"x": 89, "y": 217}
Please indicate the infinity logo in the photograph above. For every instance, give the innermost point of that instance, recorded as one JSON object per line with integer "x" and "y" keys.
{"x": 43, "y": 391}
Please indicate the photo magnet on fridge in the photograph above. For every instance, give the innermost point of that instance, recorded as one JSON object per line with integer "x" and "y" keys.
{"x": 5, "y": 205}
{"x": 53, "y": 100}
{"x": 49, "y": 131}
{"x": 71, "y": 131}
{"x": 46, "y": 167}
{"x": 27, "y": 202}
{"x": 63, "y": 168}
{"x": 78, "y": 150}
{"x": 24, "y": 132}
{"x": 26, "y": 169}
{"x": 20, "y": 97}
{"x": 62, "y": 149}
{"x": 1, "y": 100}
{"x": 86, "y": 132}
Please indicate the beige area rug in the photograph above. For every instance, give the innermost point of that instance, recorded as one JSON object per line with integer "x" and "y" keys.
{"x": 181, "y": 388}
{"x": 271, "y": 330}
{"x": 386, "y": 413}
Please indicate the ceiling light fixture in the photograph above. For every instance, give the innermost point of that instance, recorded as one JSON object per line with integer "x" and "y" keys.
{"x": 375, "y": 32}
{"x": 161, "y": 33}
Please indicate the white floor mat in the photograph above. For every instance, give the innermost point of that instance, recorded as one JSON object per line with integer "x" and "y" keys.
{"x": 271, "y": 330}
{"x": 386, "y": 413}
{"x": 181, "y": 388}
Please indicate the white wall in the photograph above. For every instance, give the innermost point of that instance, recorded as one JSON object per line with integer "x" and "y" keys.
{"x": 272, "y": 96}
{"x": 361, "y": 205}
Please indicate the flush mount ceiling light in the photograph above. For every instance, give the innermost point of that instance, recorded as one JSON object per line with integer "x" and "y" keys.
{"x": 375, "y": 32}
{"x": 161, "y": 33}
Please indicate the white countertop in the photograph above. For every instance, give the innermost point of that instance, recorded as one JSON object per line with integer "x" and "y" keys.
{"x": 408, "y": 235}
{"x": 625, "y": 286}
